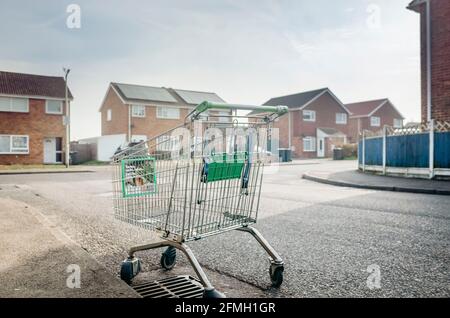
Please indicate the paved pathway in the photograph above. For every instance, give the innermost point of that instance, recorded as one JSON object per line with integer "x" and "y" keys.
{"x": 34, "y": 258}
{"x": 356, "y": 179}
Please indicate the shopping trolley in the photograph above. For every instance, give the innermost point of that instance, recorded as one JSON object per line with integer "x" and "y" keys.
{"x": 199, "y": 179}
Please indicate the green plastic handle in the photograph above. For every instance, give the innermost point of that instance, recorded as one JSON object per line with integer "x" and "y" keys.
{"x": 279, "y": 110}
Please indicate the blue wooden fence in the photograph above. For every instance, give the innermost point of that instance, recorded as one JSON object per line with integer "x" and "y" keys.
{"x": 408, "y": 151}
{"x": 374, "y": 152}
{"x": 442, "y": 150}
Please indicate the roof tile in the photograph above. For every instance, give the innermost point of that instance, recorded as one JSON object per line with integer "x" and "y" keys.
{"x": 32, "y": 85}
{"x": 296, "y": 100}
{"x": 149, "y": 94}
{"x": 364, "y": 108}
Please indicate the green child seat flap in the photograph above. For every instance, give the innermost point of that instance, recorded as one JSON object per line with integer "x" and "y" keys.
{"x": 223, "y": 166}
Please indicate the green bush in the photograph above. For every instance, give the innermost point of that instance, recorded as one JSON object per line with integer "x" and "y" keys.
{"x": 350, "y": 150}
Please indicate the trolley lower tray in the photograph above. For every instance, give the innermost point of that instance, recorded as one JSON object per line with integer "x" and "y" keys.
{"x": 172, "y": 287}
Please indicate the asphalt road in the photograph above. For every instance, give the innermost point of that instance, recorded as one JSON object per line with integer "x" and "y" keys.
{"x": 328, "y": 236}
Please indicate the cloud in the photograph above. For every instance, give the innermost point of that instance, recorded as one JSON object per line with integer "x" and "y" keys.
{"x": 246, "y": 51}
{"x": 300, "y": 47}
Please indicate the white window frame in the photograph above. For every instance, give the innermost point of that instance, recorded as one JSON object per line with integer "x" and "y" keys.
{"x": 400, "y": 121}
{"x": 375, "y": 121}
{"x": 54, "y": 113}
{"x": 313, "y": 142}
{"x": 339, "y": 117}
{"x": 160, "y": 115}
{"x": 138, "y": 114}
{"x": 109, "y": 114}
{"x": 11, "y": 110}
{"x": 312, "y": 114}
{"x": 11, "y": 148}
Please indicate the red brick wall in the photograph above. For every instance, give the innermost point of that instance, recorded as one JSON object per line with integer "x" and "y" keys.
{"x": 354, "y": 127}
{"x": 150, "y": 125}
{"x": 282, "y": 124}
{"x": 37, "y": 125}
{"x": 119, "y": 118}
{"x": 440, "y": 57}
{"x": 331, "y": 143}
{"x": 326, "y": 108}
{"x": 387, "y": 114}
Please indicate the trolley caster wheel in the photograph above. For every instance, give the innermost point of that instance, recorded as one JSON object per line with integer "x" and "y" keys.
{"x": 276, "y": 275}
{"x": 169, "y": 258}
{"x": 129, "y": 269}
{"x": 212, "y": 293}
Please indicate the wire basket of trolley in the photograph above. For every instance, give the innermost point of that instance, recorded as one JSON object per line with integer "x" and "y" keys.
{"x": 197, "y": 180}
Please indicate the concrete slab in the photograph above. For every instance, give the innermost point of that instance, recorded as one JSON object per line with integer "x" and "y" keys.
{"x": 35, "y": 257}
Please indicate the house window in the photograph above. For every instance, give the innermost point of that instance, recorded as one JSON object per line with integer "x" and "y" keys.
{"x": 398, "y": 123}
{"x": 375, "y": 121}
{"x": 14, "y": 144}
{"x": 10, "y": 104}
{"x": 138, "y": 111}
{"x": 168, "y": 113}
{"x": 109, "y": 115}
{"x": 341, "y": 119}
{"x": 54, "y": 107}
{"x": 309, "y": 144}
{"x": 309, "y": 115}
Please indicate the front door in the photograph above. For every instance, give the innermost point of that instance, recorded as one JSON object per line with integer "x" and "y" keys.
{"x": 321, "y": 147}
{"x": 49, "y": 150}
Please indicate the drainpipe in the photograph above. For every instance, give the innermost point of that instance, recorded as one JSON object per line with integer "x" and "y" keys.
{"x": 66, "y": 101}
{"x": 290, "y": 131}
{"x": 359, "y": 129}
{"x": 129, "y": 123}
{"x": 429, "y": 100}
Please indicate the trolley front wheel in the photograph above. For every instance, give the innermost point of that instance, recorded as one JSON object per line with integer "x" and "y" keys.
{"x": 129, "y": 269}
{"x": 169, "y": 258}
{"x": 276, "y": 275}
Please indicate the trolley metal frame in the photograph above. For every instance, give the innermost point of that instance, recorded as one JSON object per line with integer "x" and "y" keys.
{"x": 186, "y": 194}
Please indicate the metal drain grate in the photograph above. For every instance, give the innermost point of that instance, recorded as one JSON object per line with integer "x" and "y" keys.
{"x": 173, "y": 287}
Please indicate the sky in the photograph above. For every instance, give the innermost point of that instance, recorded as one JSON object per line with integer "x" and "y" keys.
{"x": 246, "y": 51}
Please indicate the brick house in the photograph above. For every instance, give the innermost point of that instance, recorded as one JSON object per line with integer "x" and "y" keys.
{"x": 143, "y": 112}
{"x": 317, "y": 122}
{"x": 32, "y": 109}
{"x": 373, "y": 115}
{"x": 435, "y": 40}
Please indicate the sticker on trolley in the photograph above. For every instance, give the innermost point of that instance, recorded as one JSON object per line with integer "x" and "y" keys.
{"x": 138, "y": 177}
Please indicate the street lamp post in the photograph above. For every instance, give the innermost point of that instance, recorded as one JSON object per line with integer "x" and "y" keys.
{"x": 67, "y": 121}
